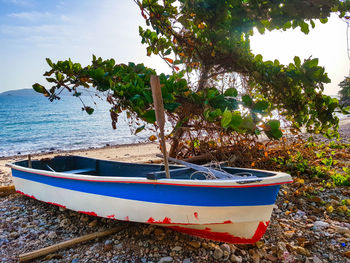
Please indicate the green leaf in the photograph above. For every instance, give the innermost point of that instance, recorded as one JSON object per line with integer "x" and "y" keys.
{"x": 248, "y": 124}
{"x": 261, "y": 106}
{"x": 51, "y": 80}
{"x": 232, "y": 92}
{"x": 171, "y": 106}
{"x": 310, "y": 63}
{"x": 324, "y": 20}
{"x": 297, "y": 61}
{"x": 226, "y": 118}
{"x": 49, "y": 62}
{"x": 139, "y": 129}
{"x": 149, "y": 116}
{"x": 59, "y": 77}
{"x": 274, "y": 124}
{"x": 88, "y": 110}
{"x": 304, "y": 27}
{"x": 135, "y": 97}
{"x": 277, "y": 134}
{"x": 236, "y": 120}
{"x": 247, "y": 101}
{"x": 39, "y": 88}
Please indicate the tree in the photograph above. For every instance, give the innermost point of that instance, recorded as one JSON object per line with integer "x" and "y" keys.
{"x": 219, "y": 92}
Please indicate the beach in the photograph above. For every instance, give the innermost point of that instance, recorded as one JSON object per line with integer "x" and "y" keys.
{"x": 298, "y": 232}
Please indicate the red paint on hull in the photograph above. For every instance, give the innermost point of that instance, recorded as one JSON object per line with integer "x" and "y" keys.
{"x": 111, "y": 216}
{"x": 31, "y": 196}
{"x": 51, "y": 203}
{"x": 223, "y": 237}
{"x": 166, "y": 220}
{"x": 88, "y": 213}
{"x": 196, "y": 215}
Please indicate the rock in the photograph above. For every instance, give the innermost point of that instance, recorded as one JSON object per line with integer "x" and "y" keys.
{"x": 176, "y": 249}
{"x": 186, "y": 260}
{"x": 236, "y": 259}
{"x": 226, "y": 247}
{"x": 226, "y": 255}
{"x": 302, "y": 251}
{"x": 52, "y": 235}
{"x": 289, "y": 233}
{"x": 271, "y": 257}
{"x": 84, "y": 218}
{"x": 75, "y": 260}
{"x": 319, "y": 225}
{"x": 65, "y": 223}
{"x": 342, "y": 230}
{"x": 194, "y": 244}
{"x": 93, "y": 223}
{"x": 108, "y": 245}
{"x": 119, "y": 246}
{"x": 165, "y": 260}
{"x": 148, "y": 230}
{"x": 316, "y": 259}
{"x": 300, "y": 214}
{"x": 159, "y": 233}
{"x": 218, "y": 253}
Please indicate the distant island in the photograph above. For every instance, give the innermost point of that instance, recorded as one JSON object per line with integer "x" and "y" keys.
{"x": 26, "y": 92}
{"x": 20, "y": 92}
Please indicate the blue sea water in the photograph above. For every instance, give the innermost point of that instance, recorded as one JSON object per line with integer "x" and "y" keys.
{"x": 33, "y": 124}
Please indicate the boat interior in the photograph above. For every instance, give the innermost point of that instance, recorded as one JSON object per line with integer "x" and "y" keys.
{"x": 95, "y": 167}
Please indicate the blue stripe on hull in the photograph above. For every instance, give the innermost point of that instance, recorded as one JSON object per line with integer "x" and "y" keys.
{"x": 166, "y": 194}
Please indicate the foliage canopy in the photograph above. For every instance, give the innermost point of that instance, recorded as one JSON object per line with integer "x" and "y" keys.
{"x": 219, "y": 92}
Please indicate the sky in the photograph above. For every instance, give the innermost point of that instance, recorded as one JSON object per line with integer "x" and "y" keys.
{"x": 31, "y": 30}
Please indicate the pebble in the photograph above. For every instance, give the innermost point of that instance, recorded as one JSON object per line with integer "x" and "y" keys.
{"x": 319, "y": 225}
{"x": 176, "y": 249}
{"x": 218, "y": 253}
{"x": 342, "y": 230}
{"x": 195, "y": 244}
{"x": 236, "y": 259}
{"x": 93, "y": 223}
{"x": 52, "y": 235}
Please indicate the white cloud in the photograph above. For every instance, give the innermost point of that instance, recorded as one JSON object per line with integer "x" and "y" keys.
{"x": 32, "y": 16}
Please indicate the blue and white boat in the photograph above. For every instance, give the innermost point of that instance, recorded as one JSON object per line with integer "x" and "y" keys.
{"x": 235, "y": 209}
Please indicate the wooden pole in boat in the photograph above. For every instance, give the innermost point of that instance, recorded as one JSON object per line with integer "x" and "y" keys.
{"x": 159, "y": 109}
{"x": 29, "y": 161}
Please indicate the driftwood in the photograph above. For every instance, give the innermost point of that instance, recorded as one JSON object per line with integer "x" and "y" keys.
{"x": 65, "y": 244}
{"x": 7, "y": 190}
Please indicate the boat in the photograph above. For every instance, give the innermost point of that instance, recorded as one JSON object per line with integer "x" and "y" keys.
{"x": 235, "y": 209}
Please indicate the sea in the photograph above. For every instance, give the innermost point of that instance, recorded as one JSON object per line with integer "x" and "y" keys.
{"x": 33, "y": 124}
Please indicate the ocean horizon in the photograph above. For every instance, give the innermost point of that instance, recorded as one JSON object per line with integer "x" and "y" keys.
{"x": 33, "y": 124}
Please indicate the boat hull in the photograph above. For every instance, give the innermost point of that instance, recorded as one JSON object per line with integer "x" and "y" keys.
{"x": 228, "y": 213}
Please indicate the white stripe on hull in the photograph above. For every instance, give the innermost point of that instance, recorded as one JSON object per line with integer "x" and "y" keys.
{"x": 240, "y": 221}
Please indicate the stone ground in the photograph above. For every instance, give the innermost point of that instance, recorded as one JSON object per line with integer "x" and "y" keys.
{"x": 310, "y": 223}
{"x": 302, "y": 229}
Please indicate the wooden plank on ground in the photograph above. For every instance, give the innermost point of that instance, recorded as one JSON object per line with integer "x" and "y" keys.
{"x": 47, "y": 250}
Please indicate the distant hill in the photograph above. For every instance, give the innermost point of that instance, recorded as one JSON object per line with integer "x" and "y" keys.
{"x": 20, "y": 92}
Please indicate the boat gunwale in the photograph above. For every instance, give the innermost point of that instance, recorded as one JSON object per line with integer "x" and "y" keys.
{"x": 277, "y": 178}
